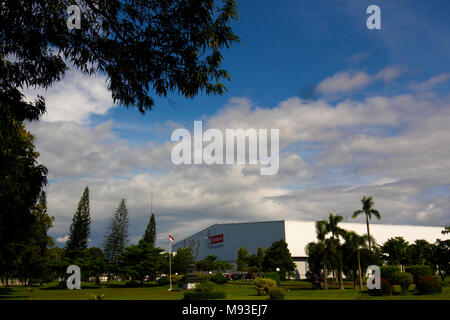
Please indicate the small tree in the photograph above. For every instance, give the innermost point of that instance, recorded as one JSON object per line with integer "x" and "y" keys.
{"x": 222, "y": 265}
{"x": 182, "y": 260}
{"x": 404, "y": 279}
{"x": 278, "y": 256}
{"x": 92, "y": 263}
{"x": 208, "y": 263}
{"x": 117, "y": 238}
{"x": 442, "y": 257}
{"x": 80, "y": 228}
{"x": 421, "y": 253}
{"x": 255, "y": 261}
{"x": 139, "y": 261}
{"x": 396, "y": 251}
{"x": 242, "y": 259}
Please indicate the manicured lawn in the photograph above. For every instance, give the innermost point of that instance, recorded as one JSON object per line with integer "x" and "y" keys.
{"x": 294, "y": 291}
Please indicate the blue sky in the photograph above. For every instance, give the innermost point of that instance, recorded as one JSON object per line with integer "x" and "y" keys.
{"x": 290, "y": 47}
{"x": 360, "y": 112}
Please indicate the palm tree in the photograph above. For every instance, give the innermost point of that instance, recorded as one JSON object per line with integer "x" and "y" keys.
{"x": 355, "y": 243}
{"x": 368, "y": 210}
{"x": 321, "y": 233}
{"x": 331, "y": 226}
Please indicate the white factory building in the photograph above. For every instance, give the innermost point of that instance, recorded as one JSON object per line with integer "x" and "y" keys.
{"x": 224, "y": 240}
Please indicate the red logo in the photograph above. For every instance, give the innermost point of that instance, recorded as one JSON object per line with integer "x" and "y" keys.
{"x": 216, "y": 239}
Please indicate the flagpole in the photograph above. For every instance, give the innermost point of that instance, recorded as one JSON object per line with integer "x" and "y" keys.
{"x": 170, "y": 265}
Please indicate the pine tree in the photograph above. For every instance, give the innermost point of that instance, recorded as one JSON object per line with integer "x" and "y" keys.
{"x": 150, "y": 232}
{"x": 117, "y": 238}
{"x": 81, "y": 225}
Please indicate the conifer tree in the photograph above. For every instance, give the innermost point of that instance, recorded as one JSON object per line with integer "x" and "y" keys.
{"x": 117, "y": 238}
{"x": 80, "y": 228}
{"x": 150, "y": 232}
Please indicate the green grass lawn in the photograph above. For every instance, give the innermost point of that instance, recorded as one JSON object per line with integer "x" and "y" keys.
{"x": 294, "y": 291}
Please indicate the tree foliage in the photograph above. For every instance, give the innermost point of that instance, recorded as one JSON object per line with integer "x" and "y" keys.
{"x": 141, "y": 260}
{"x": 117, "y": 237}
{"x": 395, "y": 251}
{"x": 369, "y": 211}
{"x": 208, "y": 263}
{"x": 80, "y": 229}
{"x": 242, "y": 259}
{"x": 33, "y": 250}
{"x": 150, "y": 231}
{"x": 21, "y": 182}
{"x": 145, "y": 48}
{"x": 441, "y": 257}
{"x": 255, "y": 261}
{"x": 278, "y": 256}
{"x": 182, "y": 260}
{"x": 446, "y": 230}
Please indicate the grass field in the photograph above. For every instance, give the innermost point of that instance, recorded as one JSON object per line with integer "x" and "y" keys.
{"x": 294, "y": 291}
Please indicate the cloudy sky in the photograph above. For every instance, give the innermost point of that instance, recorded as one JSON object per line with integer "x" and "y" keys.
{"x": 360, "y": 112}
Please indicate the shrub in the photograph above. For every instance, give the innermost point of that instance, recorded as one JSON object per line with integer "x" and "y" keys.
{"x": 428, "y": 285}
{"x": 203, "y": 276}
{"x": 418, "y": 270}
{"x": 276, "y": 294}
{"x": 386, "y": 289}
{"x": 404, "y": 279}
{"x": 218, "y": 278}
{"x": 264, "y": 285}
{"x": 204, "y": 286}
{"x": 272, "y": 275}
{"x": 132, "y": 284}
{"x": 204, "y": 290}
{"x": 387, "y": 272}
{"x": 163, "y": 281}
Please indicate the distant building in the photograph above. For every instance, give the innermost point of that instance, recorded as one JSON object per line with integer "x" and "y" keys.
{"x": 224, "y": 240}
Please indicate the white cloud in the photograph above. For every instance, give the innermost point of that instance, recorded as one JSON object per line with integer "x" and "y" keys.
{"x": 62, "y": 239}
{"x": 430, "y": 83}
{"x": 74, "y": 98}
{"x": 389, "y": 73}
{"x": 343, "y": 81}
{"x": 349, "y": 81}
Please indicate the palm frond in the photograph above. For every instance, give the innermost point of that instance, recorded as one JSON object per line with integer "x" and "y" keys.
{"x": 356, "y": 213}
{"x": 375, "y": 213}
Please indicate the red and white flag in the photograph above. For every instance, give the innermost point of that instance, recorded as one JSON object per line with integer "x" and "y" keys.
{"x": 171, "y": 239}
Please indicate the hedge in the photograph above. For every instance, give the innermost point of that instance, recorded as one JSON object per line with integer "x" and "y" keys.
{"x": 388, "y": 272}
{"x": 419, "y": 270}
